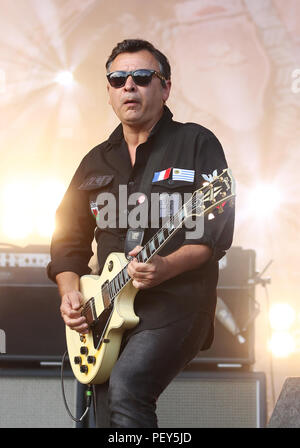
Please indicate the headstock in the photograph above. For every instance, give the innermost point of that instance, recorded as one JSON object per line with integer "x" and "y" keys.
{"x": 213, "y": 194}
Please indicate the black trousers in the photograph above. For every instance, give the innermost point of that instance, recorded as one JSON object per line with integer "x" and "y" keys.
{"x": 148, "y": 362}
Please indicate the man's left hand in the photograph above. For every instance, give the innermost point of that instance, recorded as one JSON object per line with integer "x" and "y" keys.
{"x": 147, "y": 275}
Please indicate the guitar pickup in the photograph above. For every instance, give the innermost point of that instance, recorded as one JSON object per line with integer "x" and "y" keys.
{"x": 89, "y": 312}
{"x": 105, "y": 294}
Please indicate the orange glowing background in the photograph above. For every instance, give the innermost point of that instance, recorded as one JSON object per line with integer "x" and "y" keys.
{"x": 235, "y": 69}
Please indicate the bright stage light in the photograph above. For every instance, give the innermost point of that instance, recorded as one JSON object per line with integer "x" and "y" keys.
{"x": 16, "y": 216}
{"x": 264, "y": 200}
{"x": 65, "y": 78}
{"x": 49, "y": 196}
{"x": 29, "y": 207}
{"x": 282, "y": 344}
{"x": 282, "y": 316}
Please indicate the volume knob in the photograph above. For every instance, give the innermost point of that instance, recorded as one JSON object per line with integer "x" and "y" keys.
{"x": 84, "y": 369}
{"x": 84, "y": 350}
{"x": 91, "y": 359}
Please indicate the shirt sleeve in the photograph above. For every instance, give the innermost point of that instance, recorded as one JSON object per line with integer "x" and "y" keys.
{"x": 217, "y": 233}
{"x": 71, "y": 244}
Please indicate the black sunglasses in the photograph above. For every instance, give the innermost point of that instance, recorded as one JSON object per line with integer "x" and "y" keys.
{"x": 140, "y": 77}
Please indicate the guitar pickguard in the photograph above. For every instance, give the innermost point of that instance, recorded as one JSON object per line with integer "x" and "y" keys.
{"x": 99, "y": 326}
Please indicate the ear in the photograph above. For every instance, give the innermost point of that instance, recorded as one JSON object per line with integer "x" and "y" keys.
{"x": 166, "y": 90}
{"x": 107, "y": 87}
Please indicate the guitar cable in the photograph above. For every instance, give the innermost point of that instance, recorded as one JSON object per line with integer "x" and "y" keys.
{"x": 88, "y": 394}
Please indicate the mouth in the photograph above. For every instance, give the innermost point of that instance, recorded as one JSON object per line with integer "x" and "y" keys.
{"x": 131, "y": 102}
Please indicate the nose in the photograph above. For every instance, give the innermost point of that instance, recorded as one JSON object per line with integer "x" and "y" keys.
{"x": 129, "y": 84}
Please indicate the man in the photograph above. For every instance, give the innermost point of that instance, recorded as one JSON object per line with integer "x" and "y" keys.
{"x": 177, "y": 288}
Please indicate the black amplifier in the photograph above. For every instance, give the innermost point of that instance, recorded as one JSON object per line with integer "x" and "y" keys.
{"x": 236, "y": 311}
{"x": 30, "y": 322}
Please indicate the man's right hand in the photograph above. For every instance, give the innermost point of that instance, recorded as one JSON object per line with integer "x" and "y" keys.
{"x": 71, "y": 306}
{"x": 71, "y": 301}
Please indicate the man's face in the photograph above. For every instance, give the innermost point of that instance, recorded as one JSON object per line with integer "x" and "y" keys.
{"x": 137, "y": 106}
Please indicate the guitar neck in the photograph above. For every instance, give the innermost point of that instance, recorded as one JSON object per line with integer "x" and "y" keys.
{"x": 152, "y": 247}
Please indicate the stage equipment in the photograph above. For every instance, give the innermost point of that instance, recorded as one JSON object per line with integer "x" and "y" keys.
{"x": 31, "y": 398}
{"x": 235, "y": 312}
{"x": 213, "y": 399}
{"x": 29, "y": 306}
{"x": 286, "y": 413}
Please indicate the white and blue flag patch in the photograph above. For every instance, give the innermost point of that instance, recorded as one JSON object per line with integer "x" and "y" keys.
{"x": 185, "y": 175}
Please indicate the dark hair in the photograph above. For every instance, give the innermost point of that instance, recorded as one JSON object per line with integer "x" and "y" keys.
{"x": 135, "y": 45}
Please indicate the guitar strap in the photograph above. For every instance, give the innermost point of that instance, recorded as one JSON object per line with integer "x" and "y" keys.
{"x": 135, "y": 236}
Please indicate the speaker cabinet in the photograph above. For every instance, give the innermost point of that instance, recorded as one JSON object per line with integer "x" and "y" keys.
{"x": 286, "y": 413}
{"x": 236, "y": 310}
{"x": 30, "y": 320}
{"x": 32, "y": 398}
{"x": 214, "y": 400}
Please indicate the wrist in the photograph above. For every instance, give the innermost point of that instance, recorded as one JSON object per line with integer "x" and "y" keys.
{"x": 67, "y": 282}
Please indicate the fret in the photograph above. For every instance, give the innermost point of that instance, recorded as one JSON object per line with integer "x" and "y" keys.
{"x": 144, "y": 255}
{"x": 126, "y": 275}
{"x": 152, "y": 246}
{"x": 160, "y": 237}
{"x": 121, "y": 279}
{"x": 166, "y": 232}
{"x": 170, "y": 227}
{"x": 113, "y": 288}
{"x": 141, "y": 256}
{"x": 148, "y": 253}
{"x": 181, "y": 214}
{"x": 176, "y": 221}
{"x": 116, "y": 280}
{"x": 110, "y": 290}
{"x": 155, "y": 242}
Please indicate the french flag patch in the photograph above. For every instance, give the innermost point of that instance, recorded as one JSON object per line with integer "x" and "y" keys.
{"x": 162, "y": 175}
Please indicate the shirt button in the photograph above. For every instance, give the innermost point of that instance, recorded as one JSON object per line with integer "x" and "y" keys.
{"x": 171, "y": 181}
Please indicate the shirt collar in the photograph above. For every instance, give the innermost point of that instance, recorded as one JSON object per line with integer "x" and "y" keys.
{"x": 117, "y": 136}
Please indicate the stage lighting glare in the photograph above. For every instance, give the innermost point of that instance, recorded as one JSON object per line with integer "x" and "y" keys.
{"x": 282, "y": 344}
{"x": 264, "y": 200}
{"x": 45, "y": 226}
{"x": 65, "y": 78}
{"x": 49, "y": 196}
{"x": 17, "y": 226}
{"x": 29, "y": 207}
{"x": 282, "y": 316}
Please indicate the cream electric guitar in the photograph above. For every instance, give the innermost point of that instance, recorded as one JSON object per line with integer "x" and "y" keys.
{"x": 109, "y": 298}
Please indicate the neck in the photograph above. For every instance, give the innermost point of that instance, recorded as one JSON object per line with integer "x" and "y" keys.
{"x": 136, "y": 134}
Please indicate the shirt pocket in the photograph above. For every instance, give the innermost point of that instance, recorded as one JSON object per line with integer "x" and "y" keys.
{"x": 96, "y": 182}
{"x": 173, "y": 194}
{"x": 94, "y": 185}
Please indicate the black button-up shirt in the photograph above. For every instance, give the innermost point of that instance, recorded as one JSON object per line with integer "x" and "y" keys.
{"x": 107, "y": 167}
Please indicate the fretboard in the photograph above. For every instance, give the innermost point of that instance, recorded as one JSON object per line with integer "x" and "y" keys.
{"x": 152, "y": 247}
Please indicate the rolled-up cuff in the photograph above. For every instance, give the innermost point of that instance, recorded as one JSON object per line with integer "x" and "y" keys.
{"x": 66, "y": 265}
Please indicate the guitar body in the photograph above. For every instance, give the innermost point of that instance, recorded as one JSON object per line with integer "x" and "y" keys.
{"x": 93, "y": 355}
